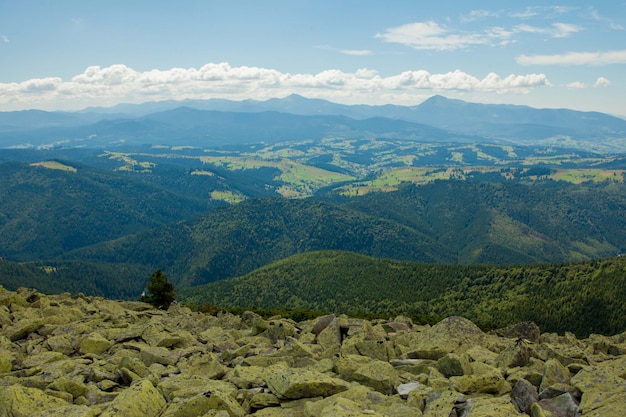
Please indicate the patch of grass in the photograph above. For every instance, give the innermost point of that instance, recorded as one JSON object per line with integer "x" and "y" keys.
{"x": 54, "y": 165}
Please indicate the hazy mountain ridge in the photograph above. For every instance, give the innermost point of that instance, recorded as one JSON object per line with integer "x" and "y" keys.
{"x": 219, "y": 122}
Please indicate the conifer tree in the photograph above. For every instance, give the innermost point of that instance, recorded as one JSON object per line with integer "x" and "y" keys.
{"x": 161, "y": 291}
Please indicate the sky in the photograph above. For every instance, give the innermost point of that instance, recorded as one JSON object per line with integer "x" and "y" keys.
{"x": 73, "y": 54}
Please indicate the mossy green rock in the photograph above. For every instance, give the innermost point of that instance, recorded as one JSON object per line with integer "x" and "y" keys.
{"x": 141, "y": 400}
{"x": 449, "y": 335}
{"x": 289, "y": 383}
{"x": 603, "y": 392}
{"x": 489, "y": 407}
{"x": 94, "y": 343}
{"x": 23, "y": 328}
{"x": 454, "y": 364}
{"x": 373, "y": 373}
{"x": 19, "y": 401}
{"x": 343, "y": 407}
{"x": 487, "y": 383}
{"x": 554, "y": 373}
{"x": 6, "y": 359}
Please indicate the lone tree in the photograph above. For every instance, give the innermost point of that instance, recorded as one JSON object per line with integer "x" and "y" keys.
{"x": 161, "y": 291}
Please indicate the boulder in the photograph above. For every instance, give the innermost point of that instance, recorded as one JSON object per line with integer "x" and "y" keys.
{"x": 491, "y": 382}
{"x": 523, "y": 395}
{"x": 373, "y": 373}
{"x": 487, "y": 407}
{"x": 22, "y": 328}
{"x": 454, "y": 334}
{"x": 19, "y": 401}
{"x": 525, "y": 330}
{"x": 563, "y": 405}
{"x": 264, "y": 400}
{"x": 94, "y": 343}
{"x": 206, "y": 365}
{"x": 288, "y": 383}
{"x": 554, "y": 373}
{"x": 454, "y": 364}
{"x": 603, "y": 392}
{"x": 516, "y": 354}
{"x": 140, "y": 400}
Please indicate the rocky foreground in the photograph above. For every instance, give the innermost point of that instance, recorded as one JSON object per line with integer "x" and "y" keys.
{"x": 72, "y": 356}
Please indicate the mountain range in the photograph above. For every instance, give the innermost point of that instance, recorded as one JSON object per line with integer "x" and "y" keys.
{"x": 219, "y": 123}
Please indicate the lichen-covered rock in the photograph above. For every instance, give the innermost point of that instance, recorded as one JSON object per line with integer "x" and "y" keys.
{"x": 524, "y": 330}
{"x": 368, "y": 401}
{"x": 264, "y": 400}
{"x": 94, "y": 343}
{"x": 454, "y": 364}
{"x": 343, "y": 407}
{"x": 449, "y": 335}
{"x": 488, "y": 407}
{"x": 206, "y": 365}
{"x": 491, "y": 382}
{"x": 6, "y": 359}
{"x": 441, "y": 403}
{"x": 516, "y": 354}
{"x": 288, "y": 383}
{"x": 563, "y": 405}
{"x": 141, "y": 400}
{"x": 22, "y": 328}
{"x": 603, "y": 392}
{"x": 554, "y": 373}
{"x": 84, "y": 357}
{"x": 19, "y": 401}
{"x": 373, "y": 373}
{"x": 523, "y": 395}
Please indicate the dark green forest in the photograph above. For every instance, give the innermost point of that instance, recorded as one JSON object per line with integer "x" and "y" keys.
{"x": 583, "y": 298}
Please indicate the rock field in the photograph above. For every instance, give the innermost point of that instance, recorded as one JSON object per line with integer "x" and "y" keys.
{"x": 78, "y": 356}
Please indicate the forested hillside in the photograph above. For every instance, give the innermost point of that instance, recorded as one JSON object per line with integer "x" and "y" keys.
{"x": 510, "y": 222}
{"x": 582, "y": 297}
{"x": 47, "y": 211}
{"x": 238, "y": 239}
{"x": 444, "y": 222}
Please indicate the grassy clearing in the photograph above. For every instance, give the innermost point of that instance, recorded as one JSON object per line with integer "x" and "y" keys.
{"x": 54, "y": 165}
{"x": 227, "y": 196}
{"x": 578, "y": 176}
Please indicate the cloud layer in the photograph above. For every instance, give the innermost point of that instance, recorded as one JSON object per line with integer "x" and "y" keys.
{"x": 98, "y": 86}
{"x": 575, "y": 58}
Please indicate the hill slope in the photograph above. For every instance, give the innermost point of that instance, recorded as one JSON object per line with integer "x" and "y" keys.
{"x": 583, "y": 298}
{"x": 238, "y": 239}
{"x": 50, "y": 209}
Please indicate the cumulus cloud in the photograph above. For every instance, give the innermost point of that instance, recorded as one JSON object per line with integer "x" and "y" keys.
{"x": 98, "y": 86}
{"x": 479, "y": 15}
{"x": 575, "y": 58}
{"x": 602, "y": 82}
{"x": 5, "y": 38}
{"x": 430, "y": 35}
{"x": 356, "y": 52}
{"x": 576, "y": 84}
{"x": 557, "y": 30}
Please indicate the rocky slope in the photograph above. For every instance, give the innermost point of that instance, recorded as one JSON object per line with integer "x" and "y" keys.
{"x": 63, "y": 355}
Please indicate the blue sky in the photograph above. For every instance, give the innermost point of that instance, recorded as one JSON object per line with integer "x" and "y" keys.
{"x": 68, "y": 55}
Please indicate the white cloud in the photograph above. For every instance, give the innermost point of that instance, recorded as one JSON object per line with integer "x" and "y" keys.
{"x": 98, "y": 86}
{"x": 577, "y": 85}
{"x": 479, "y": 15}
{"x": 575, "y": 58}
{"x": 430, "y": 35}
{"x": 356, "y": 52}
{"x": 602, "y": 82}
{"x": 558, "y": 30}
{"x": 5, "y": 38}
